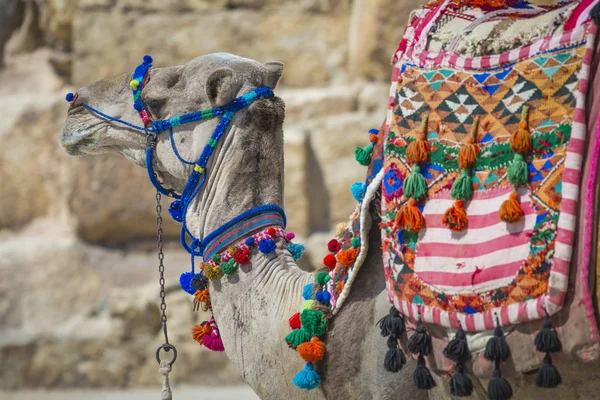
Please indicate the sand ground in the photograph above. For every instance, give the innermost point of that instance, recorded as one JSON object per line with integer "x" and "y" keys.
{"x": 179, "y": 393}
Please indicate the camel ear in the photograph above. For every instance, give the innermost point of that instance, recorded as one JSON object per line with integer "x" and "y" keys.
{"x": 222, "y": 86}
{"x": 274, "y": 71}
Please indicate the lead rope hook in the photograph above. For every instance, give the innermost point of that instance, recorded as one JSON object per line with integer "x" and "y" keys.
{"x": 164, "y": 366}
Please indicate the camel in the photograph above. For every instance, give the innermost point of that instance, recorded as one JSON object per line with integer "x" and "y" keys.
{"x": 253, "y": 306}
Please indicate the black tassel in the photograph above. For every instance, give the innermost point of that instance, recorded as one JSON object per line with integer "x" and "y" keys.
{"x": 458, "y": 349}
{"x": 460, "y": 383}
{"x": 547, "y": 341}
{"x": 392, "y": 324}
{"x": 200, "y": 282}
{"x": 499, "y": 388}
{"x": 422, "y": 377}
{"x": 420, "y": 342}
{"x": 394, "y": 358}
{"x": 496, "y": 348}
{"x": 595, "y": 14}
{"x": 548, "y": 376}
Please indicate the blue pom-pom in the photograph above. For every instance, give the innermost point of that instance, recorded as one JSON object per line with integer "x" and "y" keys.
{"x": 323, "y": 297}
{"x": 308, "y": 378}
{"x": 296, "y": 249}
{"x": 250, "y": 241}
{"x": 147, "y": 60}
{"x": 185, "y": 281}
{"x": 176, "y": 210}
{"x": 307, "y": 292}
{"x": 358, "y": 191}
{"x": 266, "y": 246}
{"x": 69, "y": 97}
{"x": 373, "y": 131}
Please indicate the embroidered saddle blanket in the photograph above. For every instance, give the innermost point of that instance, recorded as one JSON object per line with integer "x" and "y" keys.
{"x": 483, "y": 179}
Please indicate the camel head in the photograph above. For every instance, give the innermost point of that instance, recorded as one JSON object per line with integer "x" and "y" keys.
{"x": 250, "y": 151}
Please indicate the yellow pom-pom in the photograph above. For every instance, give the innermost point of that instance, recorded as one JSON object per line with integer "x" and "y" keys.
{"x": 340, "y": 229}
{"x": 134, "y": 84}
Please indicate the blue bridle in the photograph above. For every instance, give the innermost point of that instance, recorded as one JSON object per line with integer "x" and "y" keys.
{"x": 197, "y": 179}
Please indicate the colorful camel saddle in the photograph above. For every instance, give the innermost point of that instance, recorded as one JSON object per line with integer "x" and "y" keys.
{"x": 483, "y": 182}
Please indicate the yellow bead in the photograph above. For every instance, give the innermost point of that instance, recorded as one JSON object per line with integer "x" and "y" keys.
{"x": 134, "y": 84}
{"x": 198, "y": 168}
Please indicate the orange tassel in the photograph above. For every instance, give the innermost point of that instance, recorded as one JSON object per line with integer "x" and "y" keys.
{"x": 339, "y": 286}
{"x": 468, "y": 152}
{"x": 312, "y": 351}
{"x": 418, "y": 150}
{"x": 455, "y": 217}
{"x": 520, "y": 141}
{"x": 410, "y": 217}
{"x": 198, "y": 332}
{"x": 202, "y": 296}
{"x": 348, "y": 256}
{"x": 510, "y": 210}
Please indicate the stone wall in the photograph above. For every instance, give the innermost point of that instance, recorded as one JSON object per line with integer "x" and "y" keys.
{"x": 79, "y": 303}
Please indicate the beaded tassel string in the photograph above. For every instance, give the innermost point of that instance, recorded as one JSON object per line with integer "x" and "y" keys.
{"x": 415, "y": 188}
{"x": 518, "y": 173}
{"x": 455, "y": 217}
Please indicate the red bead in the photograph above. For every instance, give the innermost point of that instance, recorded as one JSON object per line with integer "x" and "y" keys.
{"x": 272, "y": 231}
{"x": 330, "y": 261}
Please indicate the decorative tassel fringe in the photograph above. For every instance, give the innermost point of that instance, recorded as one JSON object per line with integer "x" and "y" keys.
{"x": 296, "y": 250}
{"x": 415, "y": 186}
{"x": 462, "y": 188}
{"x": 363, "y": 156}
{"x": 295, "y": 321}
{"x": 176, "y": 210}
{"x": 199, "y": 331}
{"x": 394, "y": 358}
{"x": 518, "y": 172}
{"x": 498, "y": 387}
{"x": 457, "y": 349}
{"x": 417, "y": 151}
{"x": 455, "y": 218}
{"x": 547, "y": 341}
{"x": 422, "y": 377}
{"x": 296, "y": 337}
{"x": 420, "y": 342}
{"x": 410, "y": 217}
{"x": 312, "y": 351}
{"x": 460, "y": 383}
{"x": 392, "y": 324}
{"x": 548, "y": 376}
{"x": 510, "y": 210}
{"x": 520, "y": 140}
{"x": 213, "y": 342}
{"x": 308, "y": 378}
{"x": 358, "y": 191}
{"x": 496, "y": 348}
{"x": 467, "y": 155}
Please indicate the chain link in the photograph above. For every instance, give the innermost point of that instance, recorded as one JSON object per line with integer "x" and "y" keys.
{"x": 161, "y": 267}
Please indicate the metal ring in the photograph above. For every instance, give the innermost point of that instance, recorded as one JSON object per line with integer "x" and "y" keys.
{"x": 166, "y": 347}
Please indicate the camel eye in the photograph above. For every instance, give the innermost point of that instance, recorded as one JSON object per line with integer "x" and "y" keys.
{"x": 154, "y": 105}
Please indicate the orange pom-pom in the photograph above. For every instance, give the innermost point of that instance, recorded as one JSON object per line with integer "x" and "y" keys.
{"x": 312, "y": 351}
{"x": 295, "y": 321}
{"x": 520, "y": 141}
{"x": 417, "y": 151}
{"x": 340, "y": 286}
{"x": 202, "y": 296}
{"x": 469, "y": 151}
{"x": 410, "y": 217}
{"x": 373, "y": 138}
{"x": 455, "y": 217}
{"x": 198, "y": 332}
{"x": 348, "y": 256}
{"x": 510, "y": 210}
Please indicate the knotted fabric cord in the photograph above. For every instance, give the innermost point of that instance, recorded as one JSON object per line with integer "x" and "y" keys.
{"x": 193, "y": 186}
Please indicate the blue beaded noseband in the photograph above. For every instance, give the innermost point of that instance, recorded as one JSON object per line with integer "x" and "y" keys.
{"x": 152, "y": 129}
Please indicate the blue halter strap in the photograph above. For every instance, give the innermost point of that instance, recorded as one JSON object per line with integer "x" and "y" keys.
{"x": 178, "y": 208}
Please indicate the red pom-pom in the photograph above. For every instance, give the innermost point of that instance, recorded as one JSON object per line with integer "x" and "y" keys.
{"x": 330, "y": 261}
{"x": 272, "y": 231}
{"x": 334, "y": 246}
{"x": 295, "y": 321}
{"x": 241, "y": 256}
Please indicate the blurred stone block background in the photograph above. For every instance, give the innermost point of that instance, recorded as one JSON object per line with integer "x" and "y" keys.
{"x": 79, "y": 290}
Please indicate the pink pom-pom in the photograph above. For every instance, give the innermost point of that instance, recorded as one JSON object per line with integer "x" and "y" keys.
{"x": 213, "y": 342}
{"x": 334, "y": 246}
{"x": 290, "y": 236}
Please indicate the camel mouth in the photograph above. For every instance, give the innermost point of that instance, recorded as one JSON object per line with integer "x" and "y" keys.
{"x": 79, "y": 135}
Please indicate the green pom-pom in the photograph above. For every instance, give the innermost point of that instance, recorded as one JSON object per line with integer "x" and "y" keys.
{"x": 228, "y": 267}
{"x": 363, "y": 156}
{"x": 216, "y": 257}
{"x": 518, "y": 173}
{"x": 322, "y": 278}
{"x": 355, "y": 242}
{"x": 296, "y": 337}
{"x": 462, "y": 189}
{"x": 313, "y": 322}
{"x": 414, "y": 184}
{"x": 307, "y": 305}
